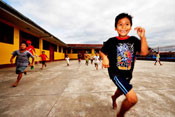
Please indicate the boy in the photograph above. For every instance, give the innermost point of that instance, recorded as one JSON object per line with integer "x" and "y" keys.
{"x": 31, "y": 49}
{"x": 118, "y": 54}
{"x": 157, "y": 58}
{"x": 67, "y": 60}
{"x": 22, "y": 61}
{"x": 92, "y": 58}
{"x": 79, "y": 58}
{"x": 96, "y": 60}
{"x": 86, "y": 58}
{"x": 43, "y": 58}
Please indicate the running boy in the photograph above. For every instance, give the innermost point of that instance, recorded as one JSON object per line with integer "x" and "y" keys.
{"x": 92, "y": 58}
{"x": 67, "y": 60}
{"x": 157, "y": 58}
{"x": 22, "y": 61}
{"x": 86, "y": 58}
{"x": 43, "y": 58}
{"x": 96, "y": 60}
{"x": 31, "y": 49}
{"x": 118, "y": 54}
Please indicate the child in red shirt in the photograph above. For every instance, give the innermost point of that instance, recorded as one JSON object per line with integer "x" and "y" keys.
{"x": 43, "y": 58}
{"x": 31, "y": 49}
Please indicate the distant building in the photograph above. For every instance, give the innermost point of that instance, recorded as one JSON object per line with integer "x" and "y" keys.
{"x": 165, "y": 49}
{"x": 15, "y": 28}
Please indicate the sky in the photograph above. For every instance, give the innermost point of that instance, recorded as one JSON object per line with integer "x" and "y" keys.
{"x": 92, "y": 21}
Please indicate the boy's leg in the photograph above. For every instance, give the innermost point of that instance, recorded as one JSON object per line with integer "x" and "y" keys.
{"x": 114, "y": 97}
{"x": 18, "y": 79}
{"x": 130, "y": 101}
{"x": 42, "y": 66}
{"x": 155, "y": 62}
{"x": 160, "y": 63}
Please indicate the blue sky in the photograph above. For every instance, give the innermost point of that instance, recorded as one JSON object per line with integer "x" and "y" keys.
{"x": 92, "y": 21}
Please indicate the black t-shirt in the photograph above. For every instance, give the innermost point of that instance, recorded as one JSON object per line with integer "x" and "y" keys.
{"x": 121, "y": 55}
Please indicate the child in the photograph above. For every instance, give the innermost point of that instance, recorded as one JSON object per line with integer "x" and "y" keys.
{"x": 87, "y": 58}
{"x": 157, "y": 58}
{"x": 31, "y": 49}
{"x": 92, "y": 58}
{"x": 43, "y": 58}
{"x": 96, "y": 60}
{"x": 22, "y": 61}
{"x": 79, "y": 58}
{"x": 67, "y": 60}
{"x": 118, "y": 54}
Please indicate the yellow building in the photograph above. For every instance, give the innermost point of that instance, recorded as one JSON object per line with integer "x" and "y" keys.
{"x": 15, "y": 28}
{"x": 74, "y": 49}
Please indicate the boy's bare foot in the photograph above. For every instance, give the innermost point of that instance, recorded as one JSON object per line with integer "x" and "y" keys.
{"x": 114, "y": 104}
{"x": 25, "y": 72}
{"x": 15, "y": 84}
{"x": 120, "y": 115}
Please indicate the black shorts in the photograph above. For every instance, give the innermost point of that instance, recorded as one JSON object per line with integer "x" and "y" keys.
{"x": 122, "y": 83}
{"x": 95, "y": 64}
{"x": 43, "y": 62}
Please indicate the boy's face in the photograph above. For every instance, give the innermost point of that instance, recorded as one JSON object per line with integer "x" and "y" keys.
{"x": 123, "y": 27}
{"x": 29, "y": 44}
{"x": 23, "y": 46}
{"x": 43, "y": 52}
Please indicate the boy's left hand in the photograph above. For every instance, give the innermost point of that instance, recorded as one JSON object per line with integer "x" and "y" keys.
{"x": 140, "y": 31}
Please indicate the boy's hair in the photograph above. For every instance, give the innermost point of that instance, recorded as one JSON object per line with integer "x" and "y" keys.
{"x": 43, "y": 51}
{"x": 23, "y": 42}
{"x": 123, "y": 15}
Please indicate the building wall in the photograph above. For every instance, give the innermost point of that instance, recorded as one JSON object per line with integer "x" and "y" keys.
{"x": 75, "y": 55}
{"x": 7, "y": 49}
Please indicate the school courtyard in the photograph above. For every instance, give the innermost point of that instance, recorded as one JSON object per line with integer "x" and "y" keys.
{"x": 82, "y": 91}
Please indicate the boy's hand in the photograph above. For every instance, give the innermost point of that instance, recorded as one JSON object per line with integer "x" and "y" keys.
{"x": 140, "y": 31}
{"x": 105, "y": 62}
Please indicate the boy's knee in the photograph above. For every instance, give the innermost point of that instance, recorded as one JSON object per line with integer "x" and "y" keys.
{"x": 133, "y": 100}
{"x": 132, "y": 97}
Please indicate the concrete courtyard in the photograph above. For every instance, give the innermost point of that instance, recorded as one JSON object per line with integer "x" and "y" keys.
{"x": 82, "y": 91}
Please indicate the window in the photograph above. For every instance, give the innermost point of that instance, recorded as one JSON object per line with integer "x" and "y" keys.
{"x": 55, "y": 47}
{"x": 45, "y": 45}
{"x": 69, "y": 50}
{"x": 74, "y": 50}
{"x": 25, "y": 36}
{"x": 6, "y": 33}
{"x": 97, "y": 50}
{"x": 64, "y": 50}
{"x": 88, "y": 50}
{"x": 59, "y": 48}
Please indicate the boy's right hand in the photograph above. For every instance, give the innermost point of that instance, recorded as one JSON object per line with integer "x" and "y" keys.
{"x": 105, "y": 62}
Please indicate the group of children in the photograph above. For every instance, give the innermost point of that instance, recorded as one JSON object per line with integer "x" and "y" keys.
{"x": 118, "y": 55}
{"x": 25, "y": 52}
{"x": 95, "y": 58}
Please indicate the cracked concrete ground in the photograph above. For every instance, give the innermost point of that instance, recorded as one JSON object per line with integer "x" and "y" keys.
{"x": 81, "y": 91}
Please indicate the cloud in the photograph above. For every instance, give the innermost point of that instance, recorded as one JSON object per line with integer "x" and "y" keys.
{"x": 92, "y": 21}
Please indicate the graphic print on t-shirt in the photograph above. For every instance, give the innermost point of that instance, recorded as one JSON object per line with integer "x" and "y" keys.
{"x": 124, "y": 55}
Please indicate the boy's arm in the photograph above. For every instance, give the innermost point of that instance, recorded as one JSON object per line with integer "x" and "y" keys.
{"x": 32, "y": 61}
{"x": 30, "y": 55}
{"x": 105, "y": 62}
{"x": 144, "y": 45}
{"x": 11, "y": 59}
{"x": 34, "y": 51}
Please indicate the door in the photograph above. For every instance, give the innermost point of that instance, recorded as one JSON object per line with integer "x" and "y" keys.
{"x": 51, "y": 49}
